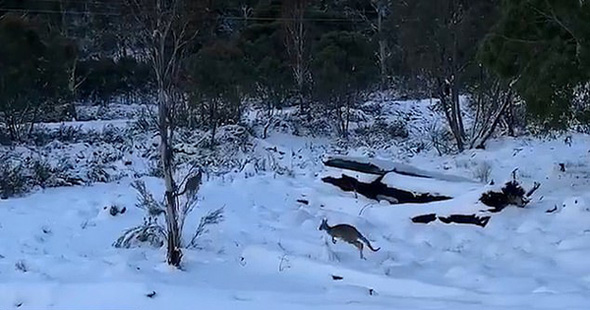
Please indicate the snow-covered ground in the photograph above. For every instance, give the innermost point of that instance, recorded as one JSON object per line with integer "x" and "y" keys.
{"x": 56, "y": 244}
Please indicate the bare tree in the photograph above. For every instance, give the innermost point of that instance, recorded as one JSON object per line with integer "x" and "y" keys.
{"x": 296, "y": 44}
{"x": 440, "y": 40}
{"x": 490, "y": 98}
{"x": 168, "y": 29}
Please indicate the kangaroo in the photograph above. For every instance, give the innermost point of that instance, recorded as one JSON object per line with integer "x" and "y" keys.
{"x": 347, "y": 233}
{"x": 192, "y": 184}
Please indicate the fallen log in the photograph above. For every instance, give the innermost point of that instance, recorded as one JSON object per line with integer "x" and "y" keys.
{"x": 453, "y": 218}
{"x": 367, "y": 168}
{"x": 511, "y": 193}
{"x": 355, "y": 166}
{"x": 381, "y": 167}
{"x": 465, "y": 219}
{"x": 389, "y": 186}
{"x": 376, "y": 190}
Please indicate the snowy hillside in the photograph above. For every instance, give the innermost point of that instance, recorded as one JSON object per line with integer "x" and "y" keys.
{"x": 57, "y": 243}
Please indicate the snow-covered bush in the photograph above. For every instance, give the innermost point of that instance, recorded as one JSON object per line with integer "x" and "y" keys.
{"x": 151, "y": 231}
{"x": 320, "y": 123}
{"x": 154, "y": 233}
{"x": 441, "y": 139}
{"x": 379, "y": 134}
{"x": 482, "y": 172}
{"x": 144, "y": 123}
{"x": 42, "y": 172}
{"x": 41, "y": 135}
{"x": 108, "y": 111}
{"x": 14, "y": 180}
{"x": 211, "y": 218}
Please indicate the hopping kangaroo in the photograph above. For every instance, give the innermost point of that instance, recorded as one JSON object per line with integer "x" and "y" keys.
{"x": 347, "y": 233}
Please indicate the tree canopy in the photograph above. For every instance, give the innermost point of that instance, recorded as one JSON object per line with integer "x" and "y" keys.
{"x": 543, "y": 46}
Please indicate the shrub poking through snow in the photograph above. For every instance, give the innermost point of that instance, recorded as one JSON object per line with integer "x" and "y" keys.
{"x": 150, "y": 232}
{"x": 441, "y": 139}
{"x": 146, "y": 201}
{"x": 482, "y": 172}
{"x": 14, "y": 178}
{"x": 21, "y": 265}
{"x": 156, "y": 234}
{"x": 212, "y": 218}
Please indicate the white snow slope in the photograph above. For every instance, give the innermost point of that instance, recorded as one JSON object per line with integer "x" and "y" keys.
{"x": 56, "y": 245}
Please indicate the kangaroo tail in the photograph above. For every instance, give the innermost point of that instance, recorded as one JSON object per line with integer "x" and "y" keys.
{"x": 365, "y": 240}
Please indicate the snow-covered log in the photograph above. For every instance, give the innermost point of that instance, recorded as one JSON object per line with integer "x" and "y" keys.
{"x": 400, "y": 183}
{"x": 382, "y": 167}
{"x": 393, "y": 182}
{"x": 378, "y": 191}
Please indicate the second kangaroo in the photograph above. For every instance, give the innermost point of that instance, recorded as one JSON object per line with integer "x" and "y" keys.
{"x": 347, "y": 233}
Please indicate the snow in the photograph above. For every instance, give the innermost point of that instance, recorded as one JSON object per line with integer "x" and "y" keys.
{"x": 89, "y": 125}
{"x": 427, "y": 185}
{"x": 56, "y": 250}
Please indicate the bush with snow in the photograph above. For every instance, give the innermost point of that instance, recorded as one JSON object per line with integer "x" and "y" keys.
{"x": 380, "y": 134}
{"x": 14, "y": 180}
{"x": 482, "y": 172}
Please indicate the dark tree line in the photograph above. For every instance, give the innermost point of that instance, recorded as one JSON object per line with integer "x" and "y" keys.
{"x": 321, "y": 55}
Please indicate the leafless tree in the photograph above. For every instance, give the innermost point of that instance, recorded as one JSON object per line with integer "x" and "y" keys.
{"x": 168, "y": 28}
{"x": 490, "y": 98}
{"x": 296, "y": 44}
{"x": 440, "y": 40}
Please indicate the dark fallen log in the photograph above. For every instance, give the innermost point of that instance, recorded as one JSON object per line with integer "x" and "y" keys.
{"x": 424, "y": 219}
{"x": 379, "y": 191}
{"x": 454, "y": 218}
{"x": 465, "y": 219}
{"x": 511, "y": 193}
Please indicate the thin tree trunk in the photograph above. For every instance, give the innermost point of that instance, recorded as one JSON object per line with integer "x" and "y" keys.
{"x": 479, "y": 143}
{"x": 174, "y": 253}
{"x": 294, "y": 11}
{"x": 382, "y": 50}
{"x": 449, "y": 108}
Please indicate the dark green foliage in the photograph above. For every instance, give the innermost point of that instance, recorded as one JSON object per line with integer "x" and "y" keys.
{"x": 218, "y": 73}
{"x": 14, "y": 179}
{"x": 33, "y": 71}
{"x": 105, "y": 78}
{"x": 269, "y": 72}
{"x": 343, "y": 65}
{"x": 440, "y": 38}
{"x": 544, "y": 47}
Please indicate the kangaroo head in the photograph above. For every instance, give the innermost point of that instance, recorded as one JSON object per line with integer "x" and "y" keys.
{"x": 324, "y": 225}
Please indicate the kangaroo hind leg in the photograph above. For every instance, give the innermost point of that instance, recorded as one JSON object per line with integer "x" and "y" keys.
{"x": 359, "y": 246}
